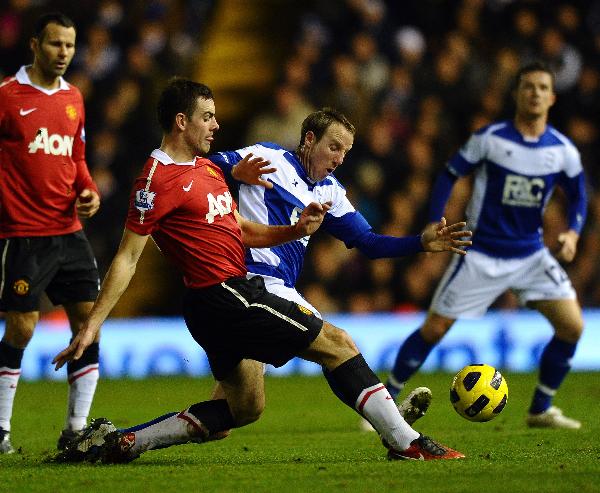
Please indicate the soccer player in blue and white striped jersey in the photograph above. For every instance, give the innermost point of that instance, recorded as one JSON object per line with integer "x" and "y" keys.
{"x": 297, "y": 178}
{"x": 516, "y": 166}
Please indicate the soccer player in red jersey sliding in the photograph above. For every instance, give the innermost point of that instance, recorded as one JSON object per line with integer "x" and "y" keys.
{"x": 45, "y": 187}
{"x": 183, "y": 202}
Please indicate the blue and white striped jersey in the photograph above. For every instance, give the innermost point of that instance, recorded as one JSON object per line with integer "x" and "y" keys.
{"x": 514, "y": 178}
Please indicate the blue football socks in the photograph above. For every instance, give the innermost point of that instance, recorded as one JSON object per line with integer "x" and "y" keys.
{"x": 411, "y": 356}
{"x": 554, "y": 366}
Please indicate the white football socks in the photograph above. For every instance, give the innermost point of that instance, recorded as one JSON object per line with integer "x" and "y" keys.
{"x": 82, "y": 385}
{"x": 377, "y": 405}
{"x": 170, "y": 429}
{"x": 9, "y": 377}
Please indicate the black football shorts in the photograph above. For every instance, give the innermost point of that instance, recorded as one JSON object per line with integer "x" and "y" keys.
{"x": 63, "y": 266}
{"x": 239, "y": 319}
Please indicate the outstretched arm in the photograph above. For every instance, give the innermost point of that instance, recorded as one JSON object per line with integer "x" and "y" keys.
{"x": 255, "y": 235}
{"x": 354, "y": 230}
{"x": 116, "y": 281}
{"x": 437, "y": 237}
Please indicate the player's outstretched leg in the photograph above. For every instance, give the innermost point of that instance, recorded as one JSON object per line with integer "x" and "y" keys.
{"x": 101, "y": 441}
{"x": 412, "y": 408}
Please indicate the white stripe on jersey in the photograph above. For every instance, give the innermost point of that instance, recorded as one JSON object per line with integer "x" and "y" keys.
{"x": 518, "y": 158}
{"x": 148, "y": 183}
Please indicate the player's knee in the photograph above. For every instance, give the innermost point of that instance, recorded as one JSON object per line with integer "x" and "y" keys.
{"x": 339, "y": 338}
{"x": 19, "y": 329}
{"x": 18, "y": 339}
{"x": 570, "y": 332}
{"x": 248, "y": 412}
{"x": 434, "y": 329}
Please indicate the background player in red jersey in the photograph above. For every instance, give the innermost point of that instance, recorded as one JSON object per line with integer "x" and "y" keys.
{"x": 183, "y": 202}
{"x": 46, "y": 188}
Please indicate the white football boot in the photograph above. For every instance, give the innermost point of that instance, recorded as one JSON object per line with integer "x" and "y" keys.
{"x": 5, "y": 445}
{"x": 552, "y": 417}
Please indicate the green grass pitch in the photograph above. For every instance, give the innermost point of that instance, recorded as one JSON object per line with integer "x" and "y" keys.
{"x": 307, "y": 441}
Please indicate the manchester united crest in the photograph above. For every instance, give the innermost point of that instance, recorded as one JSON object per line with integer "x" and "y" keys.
{"x": 71, "y": 112}
{"x": 21, "y": 287}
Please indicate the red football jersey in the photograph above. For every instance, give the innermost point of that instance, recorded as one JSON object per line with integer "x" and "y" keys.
{"x": 42, "y": 158}
{"x": 188, "y": 210}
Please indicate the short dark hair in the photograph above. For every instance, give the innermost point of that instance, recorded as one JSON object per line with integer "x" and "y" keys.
{"x": 319, "y": 121}
{"x": 51, "y": 18}
{"x": 179, "y": 96}
{"x": 537, "y": 66}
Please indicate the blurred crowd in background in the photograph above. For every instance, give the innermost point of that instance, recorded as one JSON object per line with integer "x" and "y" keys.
{"x": 416, "y": 77}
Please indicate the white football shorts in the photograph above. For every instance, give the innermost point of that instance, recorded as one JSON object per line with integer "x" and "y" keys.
{"x": 276, "y": 286}
{"x": 472, "y": 282}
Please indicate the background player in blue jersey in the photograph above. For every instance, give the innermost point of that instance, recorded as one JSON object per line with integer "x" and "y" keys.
{"x": 301, "y": 177}
{"x": 516, "y": 166}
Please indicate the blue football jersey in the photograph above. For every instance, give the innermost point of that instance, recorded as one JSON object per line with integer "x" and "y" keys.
{"x": 282, "y": 205}
{"x": 514, "y": 178}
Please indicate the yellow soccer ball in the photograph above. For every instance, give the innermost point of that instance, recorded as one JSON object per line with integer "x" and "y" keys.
{"x": 479, "y": 392}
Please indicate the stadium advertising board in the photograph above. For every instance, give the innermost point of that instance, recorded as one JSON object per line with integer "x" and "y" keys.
{"x": 139, "y": 348}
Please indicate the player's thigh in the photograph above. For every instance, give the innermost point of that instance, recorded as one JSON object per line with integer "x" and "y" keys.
{"x": 28, "y": 266}
{"x": 331, "y": 348}
{"x": 77, "y": 279}
{"x": 470, "y": 285}
{"x": 564, "y": 315}
{"x": 542, "y": 278}
{"x": 244, "y": 390}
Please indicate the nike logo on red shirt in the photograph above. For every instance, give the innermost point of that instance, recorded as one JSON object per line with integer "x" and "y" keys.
{"x": 23, "y": 112}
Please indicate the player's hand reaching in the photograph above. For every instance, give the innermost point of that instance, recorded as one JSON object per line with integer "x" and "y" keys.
{"x": 78, "y": 345}
{"x": 567, "y": 246}
{"x": 437, "y": 237}
{"x": 250, "y": 170}
{"x": 311, "y": 218}
{"x": 87, "y": 203}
